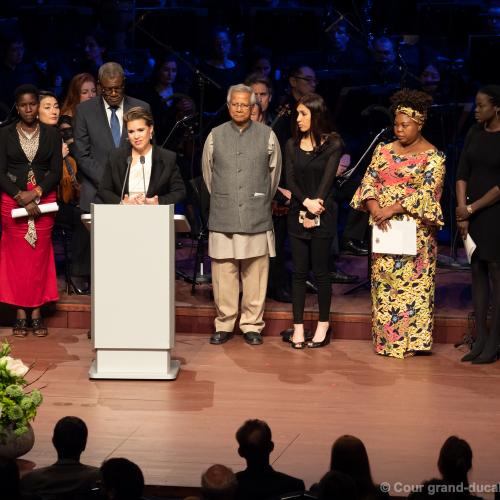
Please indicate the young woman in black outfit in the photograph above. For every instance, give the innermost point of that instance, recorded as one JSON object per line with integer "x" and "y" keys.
{"x": 311, "y": 158}
{"x": 478, "y": 213}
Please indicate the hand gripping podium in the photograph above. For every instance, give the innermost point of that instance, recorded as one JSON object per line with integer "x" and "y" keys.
{"x": 133, "y": 291}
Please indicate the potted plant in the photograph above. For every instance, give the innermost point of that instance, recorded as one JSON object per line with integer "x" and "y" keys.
{"x": 18, "y": 406}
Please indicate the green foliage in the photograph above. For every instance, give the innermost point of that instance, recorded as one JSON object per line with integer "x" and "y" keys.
{"x": 18, "y": 406}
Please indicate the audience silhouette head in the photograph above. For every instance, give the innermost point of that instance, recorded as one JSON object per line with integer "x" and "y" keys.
{"x": 218, "y": 482}
{"x": 255, "y": 441}
{"x": 350, "y": 457}
{"x": 70, "y": 437}
{"x": 335, "y": 484}
{"x": 455, "y": 460}
{"x": 122, "y": 479}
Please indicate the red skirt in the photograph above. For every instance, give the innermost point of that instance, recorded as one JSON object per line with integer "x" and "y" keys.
{"x": 27, "y": 274}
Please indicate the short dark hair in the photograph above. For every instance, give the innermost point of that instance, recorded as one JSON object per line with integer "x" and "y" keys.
{"x": 455, "y": 460}
{"x": 256, "y": 78}
{"x": 254, "y": 439}
{"x": 493, "y": 92}
{"x": 25, "y": 88}
{"x": 70, "y": 436}
{"x": 335, "y": 484}
{"x": 46, "y": 93}
{"x": 124, "y": 477}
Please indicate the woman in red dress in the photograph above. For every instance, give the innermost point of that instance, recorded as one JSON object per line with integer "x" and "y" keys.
{"x": 30, "y": 169}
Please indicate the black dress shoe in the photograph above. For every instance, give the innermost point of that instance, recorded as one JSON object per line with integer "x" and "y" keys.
{"x": 253, "y": 338}
{"x": 220, "y": 337}
{"x": 339, "y": 276}
{"x": 352, "y": 248}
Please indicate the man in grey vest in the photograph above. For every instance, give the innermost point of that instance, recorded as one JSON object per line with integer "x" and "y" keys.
{"x": 241, "y": 167}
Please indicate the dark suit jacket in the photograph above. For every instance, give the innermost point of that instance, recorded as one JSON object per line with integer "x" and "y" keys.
{"x": 94, "y": 142}
{"x": 66, "y": 479}
{"x": 14, "y": 166}
{"x": 265, "y": 483}
{"x": 165, "y": 182}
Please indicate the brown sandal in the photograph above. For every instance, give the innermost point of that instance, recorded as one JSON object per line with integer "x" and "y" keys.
{"x": 20, "y": 328}
{"x": 39, "y": 330}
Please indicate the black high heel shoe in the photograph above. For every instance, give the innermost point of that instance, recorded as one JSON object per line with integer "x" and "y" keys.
{"x": 313, "y": 345}
{"x": 489, "y": 355}
{"x": 476, "y": 350}
{"x": 297, "y": 345}
{"x": 286, "y": 335}
{"x": 72, "y": 289}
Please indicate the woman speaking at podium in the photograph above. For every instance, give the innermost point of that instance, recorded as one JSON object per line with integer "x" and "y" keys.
{"x": 141, "y": 173}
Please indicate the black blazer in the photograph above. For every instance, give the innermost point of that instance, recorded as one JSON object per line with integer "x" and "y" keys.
{"x": 14, "y": 166}
{"x": 165, "y": 182}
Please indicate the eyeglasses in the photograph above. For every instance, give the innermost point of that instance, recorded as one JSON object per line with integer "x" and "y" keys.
{"x": 111, "y": 90}
{"x": 240, "y": 105}
{"x": 308, "y": 79}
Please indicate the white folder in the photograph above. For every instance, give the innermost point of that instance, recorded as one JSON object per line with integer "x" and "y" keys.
{"x": 399, "y": 239}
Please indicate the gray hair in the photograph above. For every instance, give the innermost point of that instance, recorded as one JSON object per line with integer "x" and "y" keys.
{"x": 110, "y": 70}
{"x": 241, "y": 88}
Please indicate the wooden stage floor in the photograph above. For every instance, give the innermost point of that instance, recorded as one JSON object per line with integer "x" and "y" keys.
{"x": 402, "y": 409}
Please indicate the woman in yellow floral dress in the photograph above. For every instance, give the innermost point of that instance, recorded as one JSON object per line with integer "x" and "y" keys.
{"x": 404, "y": 179}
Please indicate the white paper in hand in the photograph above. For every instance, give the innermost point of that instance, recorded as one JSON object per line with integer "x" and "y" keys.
{"x": 45, "y": 208}
{"x": 399, "y": 239}
{"x": 469, "y": 246}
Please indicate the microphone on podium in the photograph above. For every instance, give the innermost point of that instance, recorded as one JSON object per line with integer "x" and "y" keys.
{"x": 143, "y": 161}
{"x": 129, "y": 162}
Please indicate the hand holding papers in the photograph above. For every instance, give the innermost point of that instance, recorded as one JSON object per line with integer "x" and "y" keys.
{"x": 399, "y": 239}
{"x": 469, "y": 246}
{"x": 45, "y": 208}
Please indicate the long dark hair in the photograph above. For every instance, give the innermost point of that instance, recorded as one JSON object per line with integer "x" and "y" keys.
{"x": 350, "y": 457}
{"x": 321, "y": 125}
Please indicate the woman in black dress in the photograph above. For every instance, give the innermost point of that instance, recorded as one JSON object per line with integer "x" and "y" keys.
{"x": 312, "y": 157}
{"x": 478, "y": 213}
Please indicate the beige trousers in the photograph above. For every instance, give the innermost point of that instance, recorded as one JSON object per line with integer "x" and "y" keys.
{"x": 226, "y": 275}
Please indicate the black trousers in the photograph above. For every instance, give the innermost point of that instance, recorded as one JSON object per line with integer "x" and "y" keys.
{"x": 306, "y": 254}
{"x": 69, "y": 216}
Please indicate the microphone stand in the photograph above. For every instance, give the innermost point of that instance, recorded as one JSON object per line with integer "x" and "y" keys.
{"x": 347, "y": 175}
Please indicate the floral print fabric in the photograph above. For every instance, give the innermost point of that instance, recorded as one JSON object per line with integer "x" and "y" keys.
{"x": 402, "y": 286}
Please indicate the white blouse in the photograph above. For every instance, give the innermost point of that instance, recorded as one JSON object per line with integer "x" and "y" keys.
{"x": 138, "y": 181}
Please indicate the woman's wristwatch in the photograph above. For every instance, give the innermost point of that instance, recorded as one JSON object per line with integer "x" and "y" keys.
{"x": 469, "y": 209}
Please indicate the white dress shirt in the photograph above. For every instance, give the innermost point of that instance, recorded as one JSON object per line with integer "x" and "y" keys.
{"x": 119, "y": 114}
{"x": 138, "y": 178}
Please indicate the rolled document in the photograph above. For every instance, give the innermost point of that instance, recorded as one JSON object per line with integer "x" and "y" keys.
{"x": 45, "y": 208}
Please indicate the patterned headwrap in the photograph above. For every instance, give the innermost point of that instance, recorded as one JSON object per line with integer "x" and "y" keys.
{"x": 415, "y": 115}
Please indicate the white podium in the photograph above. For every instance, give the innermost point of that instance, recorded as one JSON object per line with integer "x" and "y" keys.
{"x": 133, "y": 292}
